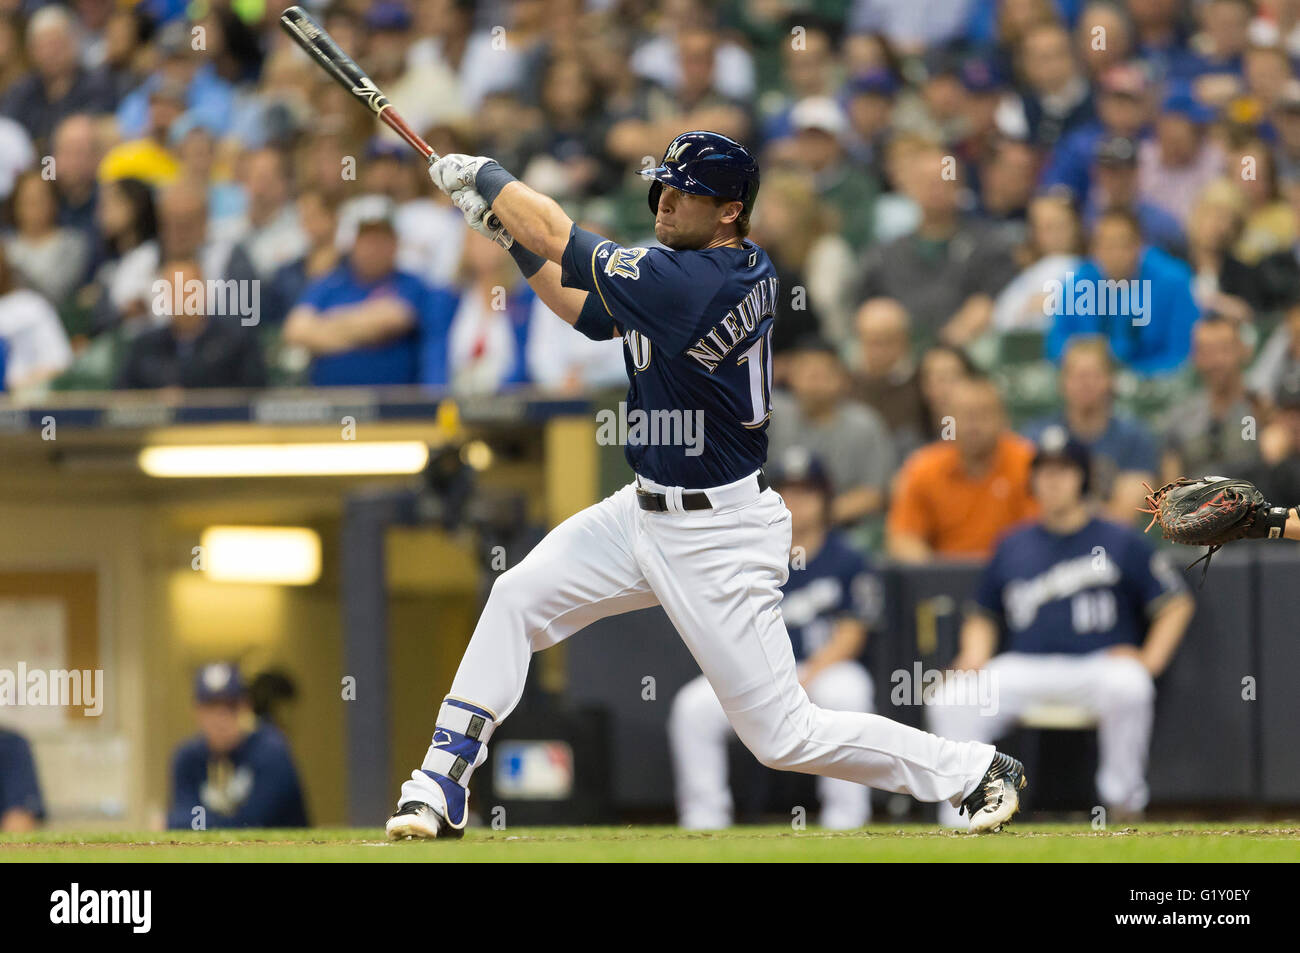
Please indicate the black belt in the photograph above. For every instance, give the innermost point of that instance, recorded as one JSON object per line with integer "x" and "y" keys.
{"x": 698, "y": 500}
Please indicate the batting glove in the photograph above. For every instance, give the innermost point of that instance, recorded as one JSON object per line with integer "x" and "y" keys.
{"x": 456, "y": 171}
{"x": 479, "y": 217}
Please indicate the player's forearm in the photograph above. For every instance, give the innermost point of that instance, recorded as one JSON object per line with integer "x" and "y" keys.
{"x": 565, "y": 302}
{"x": 372, "y": 322}
{"x": 350, "y": 327}
{"x": 535, "y": 220}
{"x": 979, "y": 640}
{"x": 1166, "y": 631}
{"x": 908, "y": 548}
{"x": 852, "y": 505}
{"x": 1292, "y": 530}
{"x": 846, "y": 643}
{"x": 971, "y": 320}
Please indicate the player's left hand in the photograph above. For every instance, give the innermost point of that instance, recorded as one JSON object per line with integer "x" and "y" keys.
{"x": 456, "y": 171}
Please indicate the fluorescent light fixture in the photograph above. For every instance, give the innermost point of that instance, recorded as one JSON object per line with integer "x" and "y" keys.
{"x": 283, "y": 555}
{"x": 344, "y": 458}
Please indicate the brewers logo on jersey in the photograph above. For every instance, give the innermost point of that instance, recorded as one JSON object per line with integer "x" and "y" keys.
{"x": 1076, "y": 593}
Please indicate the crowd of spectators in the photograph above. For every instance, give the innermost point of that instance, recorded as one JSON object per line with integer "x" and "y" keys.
{"x": 988, "y": 216}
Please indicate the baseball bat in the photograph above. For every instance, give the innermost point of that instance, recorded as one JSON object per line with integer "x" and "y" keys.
{"x": 320, "y": 46}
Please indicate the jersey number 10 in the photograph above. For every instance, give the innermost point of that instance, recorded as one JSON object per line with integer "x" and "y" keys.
{"x": 759, "y": 359}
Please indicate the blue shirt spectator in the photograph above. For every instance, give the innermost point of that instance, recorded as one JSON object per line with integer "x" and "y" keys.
{"x": 1125, "y": 442}
{"x": 1139, "y": 299}
{"x": 391, "y": 362}
{"x": 1121, "y": 111}
{"x": 1123, "y": 455}
{"x": 361, "y": 321}
{"x": 20, "y": 791}
{"x": 209, "y": 100}
{"x": 1116, "y": 184}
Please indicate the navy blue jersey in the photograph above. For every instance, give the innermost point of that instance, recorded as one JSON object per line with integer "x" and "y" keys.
{"x": 255, "y": 785}
{"x": 697, "y": 335}
{"x": 835, "y": 583}
{"x": 19, "y": 788}
{"x": 1075, "y": 593}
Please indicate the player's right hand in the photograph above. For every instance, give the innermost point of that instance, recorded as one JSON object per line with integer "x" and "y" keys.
{"x": 478, "y": 216}
{"x": 456, "y": 171}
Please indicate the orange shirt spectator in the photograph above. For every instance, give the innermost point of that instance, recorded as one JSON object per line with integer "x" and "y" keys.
{"x": 954, "y": 498}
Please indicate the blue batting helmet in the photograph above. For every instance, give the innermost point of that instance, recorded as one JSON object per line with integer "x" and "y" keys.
{"x": 706, "y": 163}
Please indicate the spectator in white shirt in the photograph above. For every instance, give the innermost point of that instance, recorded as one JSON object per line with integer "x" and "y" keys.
{"x": 36, "y": 346}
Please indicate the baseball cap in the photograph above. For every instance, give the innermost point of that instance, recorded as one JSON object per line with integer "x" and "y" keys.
{"x": 380, "y": 147}
{"x": 799, "y": 465}
{"x": 941, "y": 61}
{"x": 388, "y": 15}
{"x": 876, "y": 82}
{"x": 1056, "y": 443}
{"x": 979, "y": 75}
{"x": 1117, "y": 151}
{"x": 374, "y": 210}
{"x": 821, "y": 113}
{"x": 218, "y": 682}
{"x": 173, "y": 39}
{"x": 1188, "y": 106}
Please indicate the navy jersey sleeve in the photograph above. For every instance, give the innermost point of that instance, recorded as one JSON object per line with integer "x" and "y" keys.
{"x": 594, "y": 321}
{"x": 659, "y": 292}
{"x": 988, "y": 591}
{"x": 861, "y": 593}
{"x": 19, "y": 787}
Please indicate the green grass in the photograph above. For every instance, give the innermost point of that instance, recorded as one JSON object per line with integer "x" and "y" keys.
{"x": 1147, "y": 842}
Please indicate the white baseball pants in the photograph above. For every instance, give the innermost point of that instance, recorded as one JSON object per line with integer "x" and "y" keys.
{"x": 717, "y": 573}
{"x": 1117, "y": 689}
{"x": 698, "y": 733}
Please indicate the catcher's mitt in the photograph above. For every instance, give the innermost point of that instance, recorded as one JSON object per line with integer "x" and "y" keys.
{"x": 1211, "y": 511}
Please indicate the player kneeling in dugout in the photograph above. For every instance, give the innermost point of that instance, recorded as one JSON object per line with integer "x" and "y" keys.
{"x": 829, "y": 600}
{"x": 1085, "y": 614}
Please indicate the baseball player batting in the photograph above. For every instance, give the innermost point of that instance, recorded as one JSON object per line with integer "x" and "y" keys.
{"x": 699, "y": 533}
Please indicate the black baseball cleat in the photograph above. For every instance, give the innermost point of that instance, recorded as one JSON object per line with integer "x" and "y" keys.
{"x": 997, "y": 798}
{"x": 416, "y": 820}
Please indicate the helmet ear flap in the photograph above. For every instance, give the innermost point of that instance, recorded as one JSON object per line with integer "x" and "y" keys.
{"x": 656, "y": 189}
